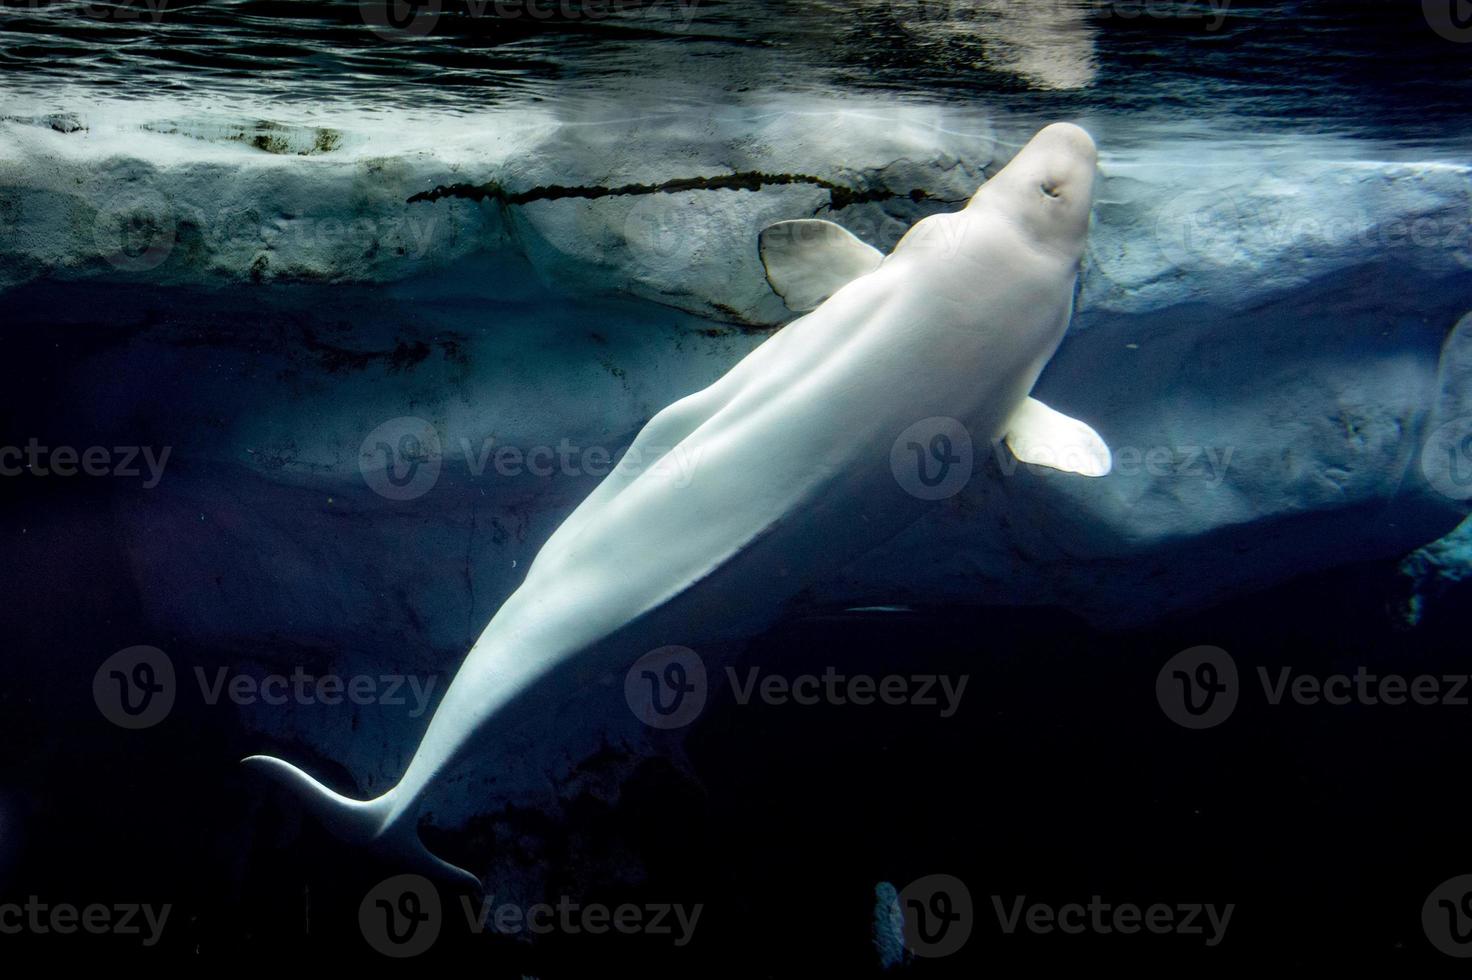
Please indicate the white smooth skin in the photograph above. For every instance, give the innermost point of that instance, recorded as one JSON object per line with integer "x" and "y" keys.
{"x": 791, "y": 477}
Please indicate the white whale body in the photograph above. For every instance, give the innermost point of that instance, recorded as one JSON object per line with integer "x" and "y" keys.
{"x": 786, "y": 461}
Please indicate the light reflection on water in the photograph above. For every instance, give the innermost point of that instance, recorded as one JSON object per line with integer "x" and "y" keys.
{"x": 1379, "y": 70}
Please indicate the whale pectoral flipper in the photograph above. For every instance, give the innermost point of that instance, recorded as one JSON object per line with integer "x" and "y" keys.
{"x": 1046, "y": 437}
{"x": 808, "y": 260}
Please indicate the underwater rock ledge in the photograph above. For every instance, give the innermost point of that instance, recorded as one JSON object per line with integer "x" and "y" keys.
{"x": 667, "y": 207}
{"x": 427, "y": 238}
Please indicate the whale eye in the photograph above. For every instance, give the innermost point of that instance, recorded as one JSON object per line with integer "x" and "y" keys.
{"x": 1051, "y": 190}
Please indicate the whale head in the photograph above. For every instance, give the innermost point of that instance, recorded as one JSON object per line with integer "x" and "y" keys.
{"x": 1048, "y": 189}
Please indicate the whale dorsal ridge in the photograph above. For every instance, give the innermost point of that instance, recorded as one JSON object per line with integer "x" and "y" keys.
{"x": 1044, "y": 436}
{"x": 808, "y": 260}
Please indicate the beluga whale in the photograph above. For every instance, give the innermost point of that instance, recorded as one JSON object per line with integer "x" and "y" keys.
{"x": 792, "y": 474}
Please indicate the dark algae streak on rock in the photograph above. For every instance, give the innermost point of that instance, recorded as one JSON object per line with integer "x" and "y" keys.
{"x": 839, "y": 196}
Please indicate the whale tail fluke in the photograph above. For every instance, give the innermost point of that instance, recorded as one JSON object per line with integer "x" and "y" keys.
{"x": 365, "y": 823}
